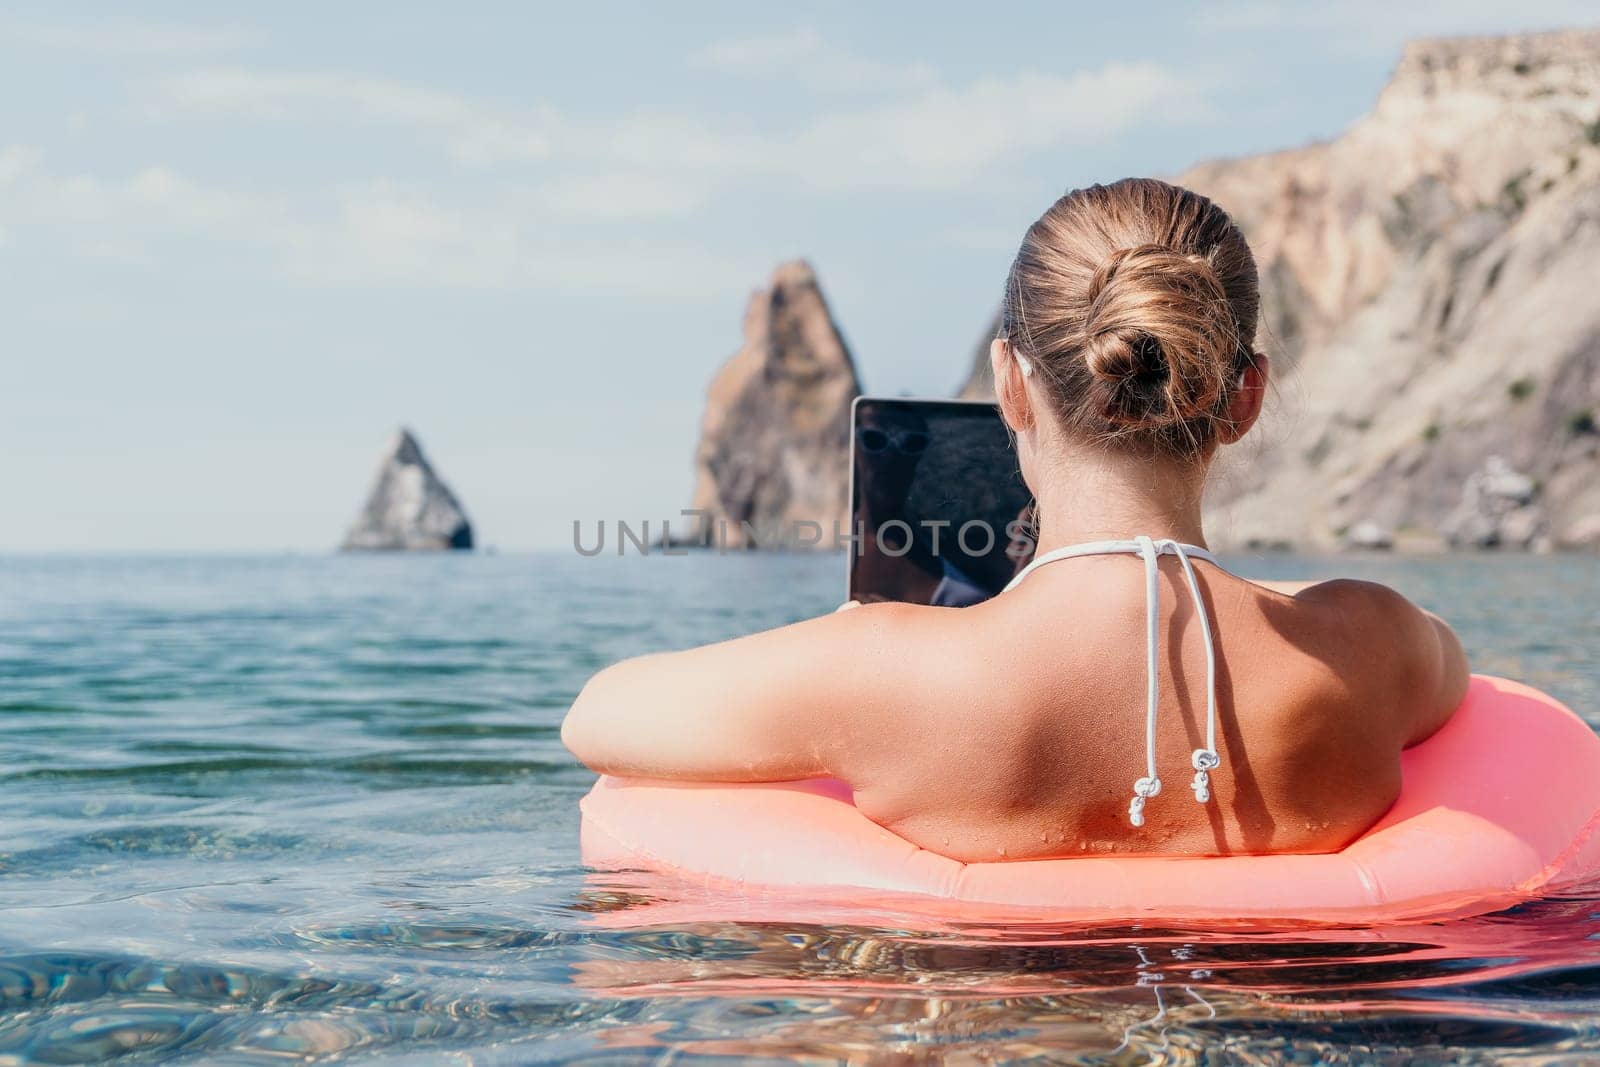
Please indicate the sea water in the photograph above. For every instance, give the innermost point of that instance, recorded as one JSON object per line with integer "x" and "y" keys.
{"x": 260, "y": 810}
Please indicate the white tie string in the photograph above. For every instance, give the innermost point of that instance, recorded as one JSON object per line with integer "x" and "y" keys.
{"x": 1204, "y": 760}
{"x": 1150, "y": 784}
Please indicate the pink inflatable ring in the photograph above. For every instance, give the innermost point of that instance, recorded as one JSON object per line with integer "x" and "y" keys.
{"x": 1499, "y": 806}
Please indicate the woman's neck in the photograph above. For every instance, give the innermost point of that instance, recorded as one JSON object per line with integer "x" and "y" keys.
{"x": 1089, "y": 494}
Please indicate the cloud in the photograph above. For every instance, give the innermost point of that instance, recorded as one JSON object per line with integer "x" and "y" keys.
{"x": 375, "y": 232}
{"x": 152, "y": 199}
{"x": 475, "y": 132}
{"x": 926, "y": 135}
{"x": 618, "y": 197}
{"x": 124, "y": 37}
{"x": 803, "y": 56}
{"x": 951, "y": 137}
{"x": 522, "y": 195}
{"x": 17, "y": 160}
{"x": 994, "y": 238}
{"x": 384, "y": 232}
{"x": 1380, "y": 27}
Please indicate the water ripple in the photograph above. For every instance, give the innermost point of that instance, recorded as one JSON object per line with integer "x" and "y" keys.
{"x": 317, "y": 809}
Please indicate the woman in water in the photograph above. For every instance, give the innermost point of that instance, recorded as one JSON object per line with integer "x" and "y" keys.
{"x": 1040, "y": 723}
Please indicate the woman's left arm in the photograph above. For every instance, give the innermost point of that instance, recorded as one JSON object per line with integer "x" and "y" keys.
{"x": 774, "y": 706}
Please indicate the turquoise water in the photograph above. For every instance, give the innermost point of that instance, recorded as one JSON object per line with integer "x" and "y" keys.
{"x": 258, "y": 810}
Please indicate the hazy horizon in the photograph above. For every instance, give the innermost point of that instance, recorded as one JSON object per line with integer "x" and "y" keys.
{"x": 239, "y": 253}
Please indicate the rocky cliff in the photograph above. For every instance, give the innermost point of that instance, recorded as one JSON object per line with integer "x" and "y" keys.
{"x": 774, "y": 441}
{"x": 409, "y": 507}
{"x": 1429, "y": 283}
{"x": 980, "y": 379}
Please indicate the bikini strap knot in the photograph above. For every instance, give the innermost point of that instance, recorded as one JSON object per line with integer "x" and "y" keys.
{"x": 1204, "y": 761}
{"x": 1143, "y": 790}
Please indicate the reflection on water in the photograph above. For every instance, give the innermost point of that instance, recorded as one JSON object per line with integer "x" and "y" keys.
{"x": 527, "y": 981}
{"x": 280, "y": 809}
{"x": 1522, "y": 979}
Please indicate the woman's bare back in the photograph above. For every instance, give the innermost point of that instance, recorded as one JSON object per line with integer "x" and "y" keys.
{"x": 1021, "y": 738}
{"x": 1015, "y": 729}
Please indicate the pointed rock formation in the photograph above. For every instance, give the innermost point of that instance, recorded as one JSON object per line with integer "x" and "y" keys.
{"x": 980, "y": 381}
{"x": 774, "y": 441}
{"x": 409, "y": 507}
{"x": 1427, "y": 298}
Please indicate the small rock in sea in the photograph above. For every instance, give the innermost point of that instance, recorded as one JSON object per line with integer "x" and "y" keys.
{"x": 1501, "y": 481}
{"x": 409, "y": 507}
{"x": 1583, "y": 532}
{"x": 1369, "y": 536}
{"x": 1497, "y": 509}
{"x": 1524, "y": 527}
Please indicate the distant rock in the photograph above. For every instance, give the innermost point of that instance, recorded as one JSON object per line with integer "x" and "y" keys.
{"x": 1369, "y": 537}
{"x": 1496, "y": 509}
{"x": 1583, "y": 533}
{"x": 980, "y": 381}
{"x": 774, "y": 440}
{"x": 409, "y": 507}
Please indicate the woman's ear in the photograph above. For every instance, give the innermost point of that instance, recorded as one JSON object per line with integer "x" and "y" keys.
{"x": 1244, "y": 407}
{"x": 1010, "y": 386}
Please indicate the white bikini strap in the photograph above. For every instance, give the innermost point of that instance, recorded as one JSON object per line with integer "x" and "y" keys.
{"x": 1150, "y": 784}
{"x": 1103, "y": 548}
{"x": 1204, "y": 760}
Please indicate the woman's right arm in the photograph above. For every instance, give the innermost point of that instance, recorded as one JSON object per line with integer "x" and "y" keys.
{"x": 1444, "y": 667}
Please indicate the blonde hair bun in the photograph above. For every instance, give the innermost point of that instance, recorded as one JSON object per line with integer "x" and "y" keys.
{"x": 1137, "y": 301}
{"x": 1159, "y": 336}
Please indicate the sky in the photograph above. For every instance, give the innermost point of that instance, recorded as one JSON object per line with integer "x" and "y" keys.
{"x": 241, "y": 244}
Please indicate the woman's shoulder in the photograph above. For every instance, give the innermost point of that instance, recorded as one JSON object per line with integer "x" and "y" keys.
{"x": 1366, "y": 655}
{"x": 1353, "y": 592}
{"x": 1348, "y": 612}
